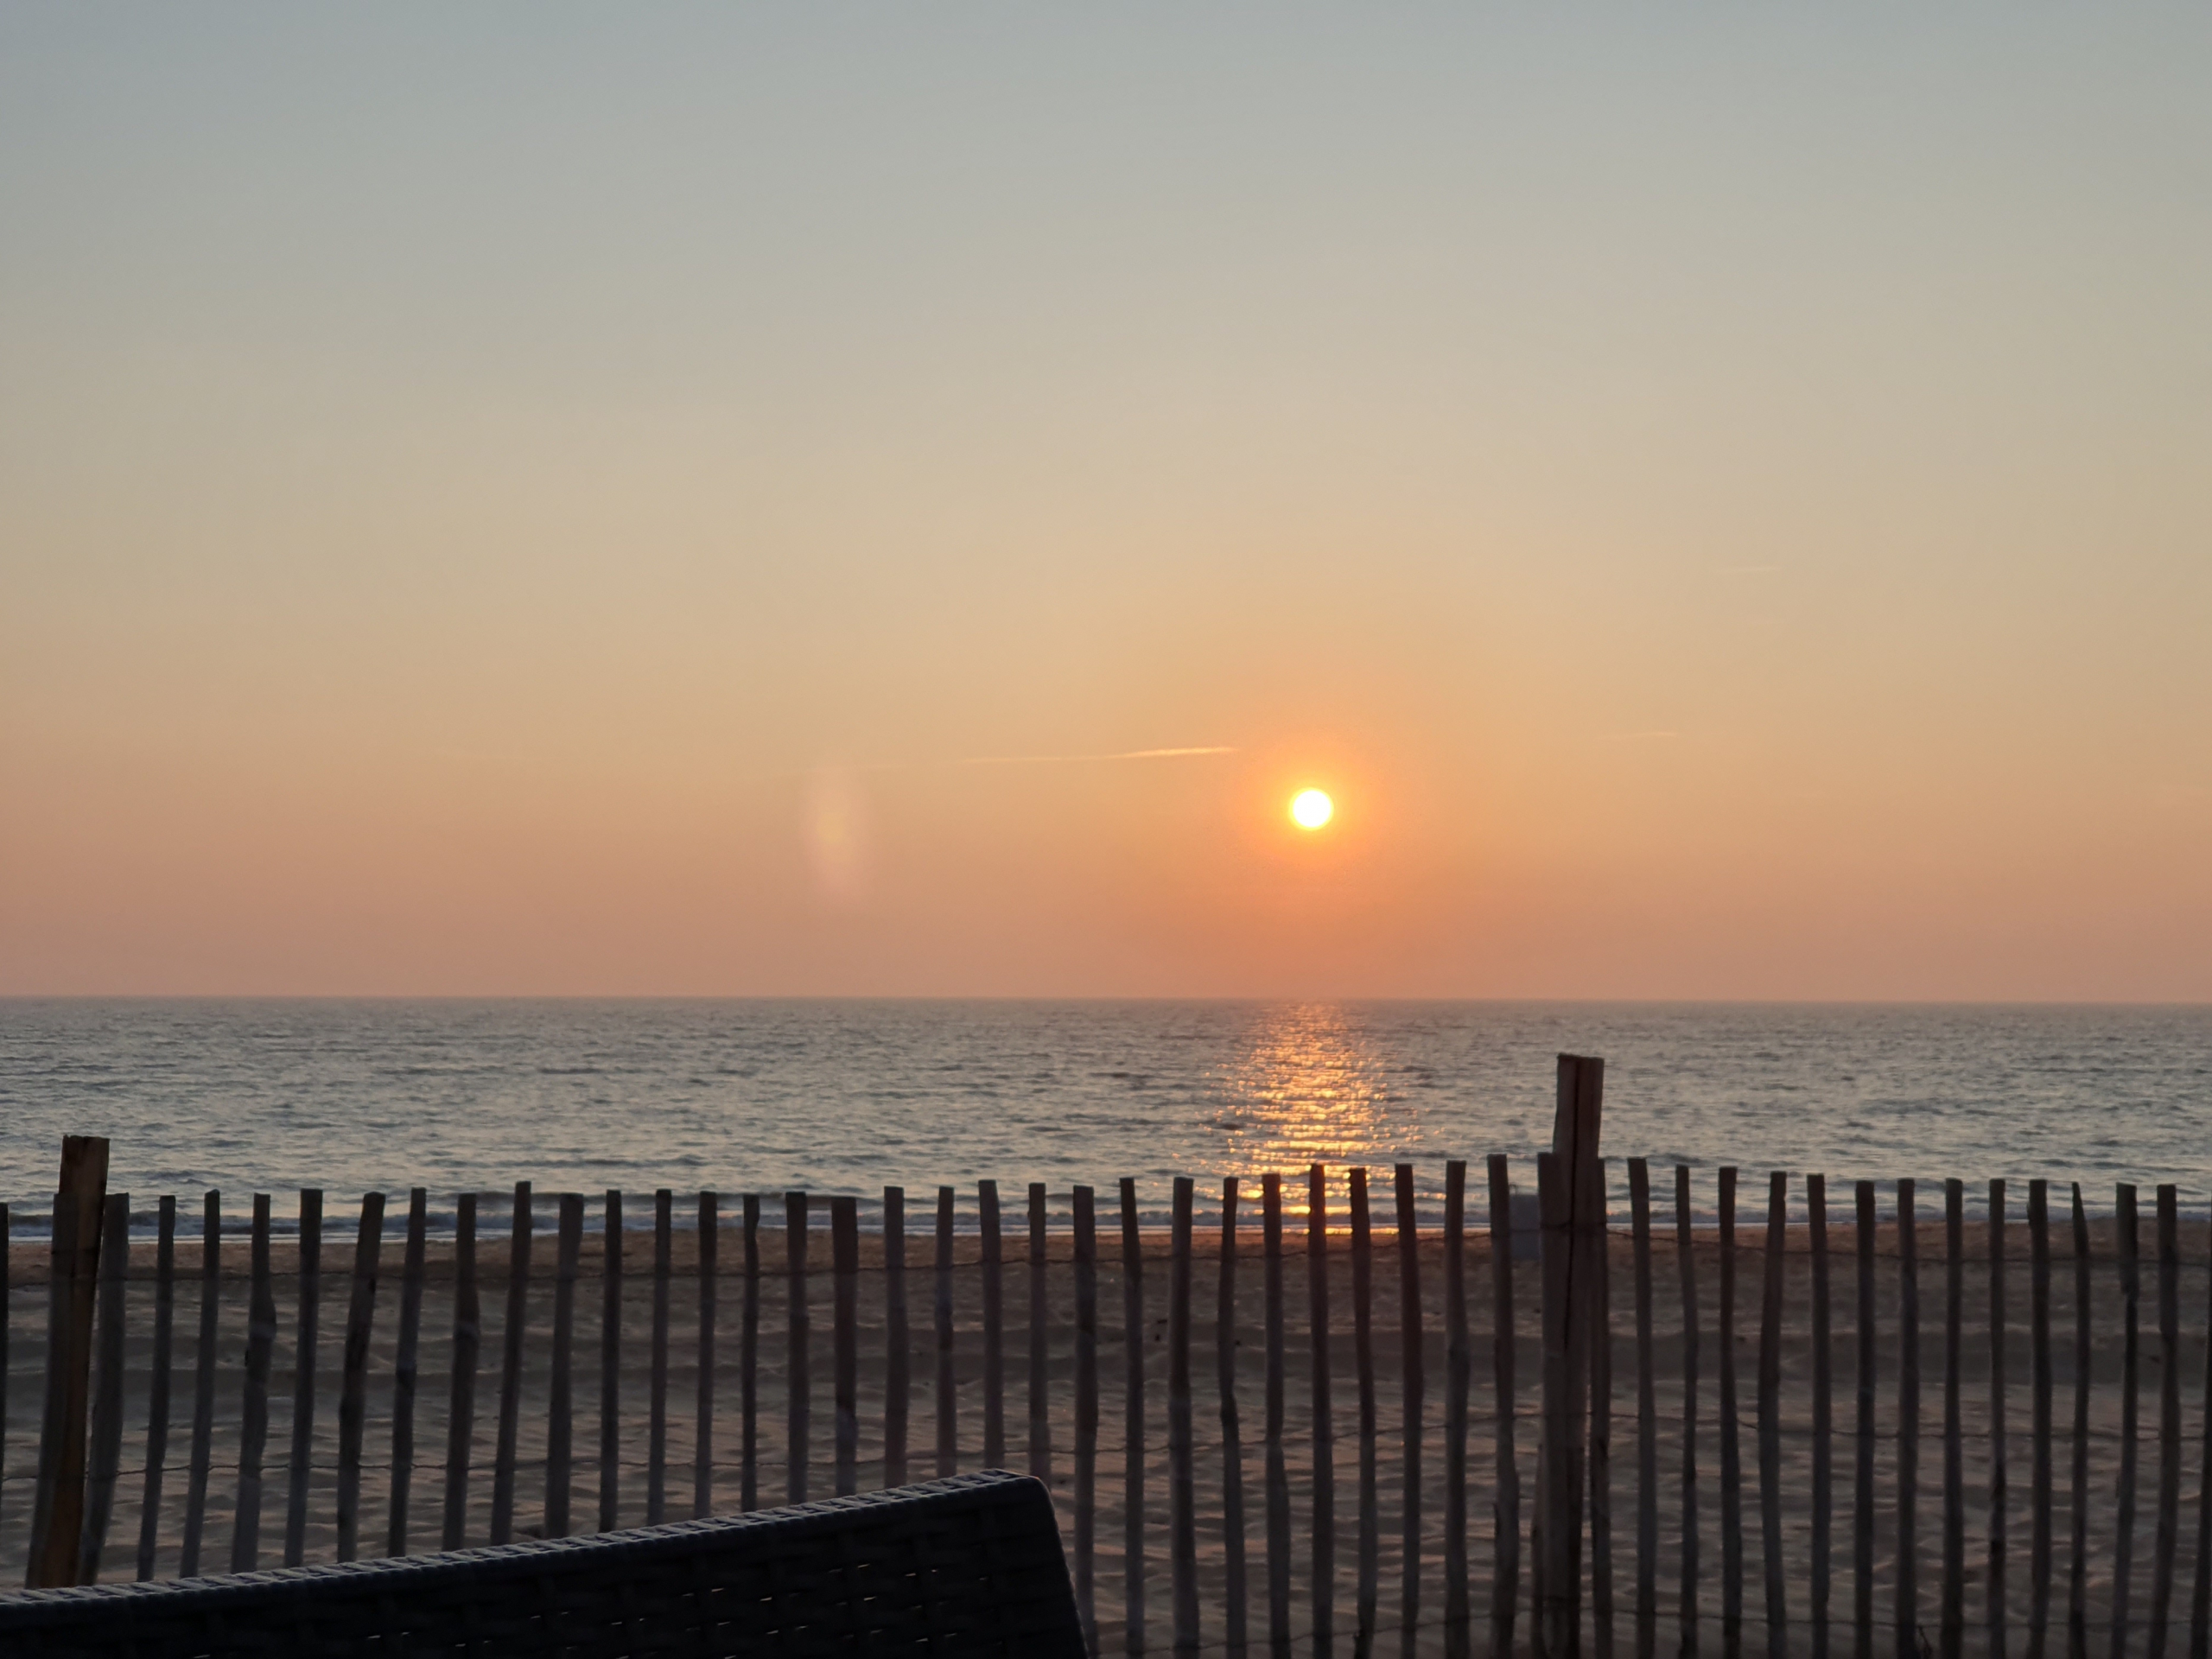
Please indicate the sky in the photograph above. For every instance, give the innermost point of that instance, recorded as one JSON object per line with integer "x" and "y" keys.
{"x": 733, "y": 500}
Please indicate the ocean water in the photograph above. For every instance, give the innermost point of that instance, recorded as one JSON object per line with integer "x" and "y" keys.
{"x": 845, "y": 1097}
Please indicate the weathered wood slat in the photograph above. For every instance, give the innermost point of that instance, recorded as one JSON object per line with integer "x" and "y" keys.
{"x": 1086, "y": 1413}
{"x": 610, "y": 1365}
{"x": 948, "y": 1423}
{"x": 2130, "y": 1306}
{"x": 201, "y": 1465}
{"x": 1182, "y": 1463}
{"x": 1505, "y": 1510}
{"x": 1994, "y": 1621}
{"x": 1686, "y": 1270}
{"x": 1601, "y": 1410}
{"x": 1731, "y": 1468}
{"x": 2167, "y": 1539}
{"x": 303, "y": 1375}
{"x": 1368, "y": 1593}
{"x": 1040, "y": 1402}
{"x": 845, "y": 1265}
{"x": 2039, "y": 1421}
{"x": 58, "y": 1501}
{"x": 1277, "y": 1470}
{"x": 560, "y": 1406}
{"x": 467, "y": 1340}
{"x": 7, "y": 1285}
{"x": 512, "y": 1339}
{"x": 1907, "y": 1537}
{"x": 1647, "y": 1416}
{"x": 2078, "y": 1607}
{"x": 1862, "y": 1517}
{"x": 2199, "y": 1604}
{"x": 1951, "y": 1614}
{"x": 1770, "y": 1389}
{"x": 748, "y": 1360}
{"x": 353, "y": 1371}
{"x": 104, "y": 1463}
{"x": 1132, "y": 1438}
{"x": 1558, "y": 1529}
{"x": 406, "y": 1371}
{"x": 703, "y": 1410}
{"x": 1459, "y": 1364}
{"x": 1413, "y": 1377}
{"x": 1822, "y": 1584}
{"x": 987, "y": 1227}
{"x": 797, "y": 1360}
{"x": 1234, "y": 1591}
{"x": 253, "y": 1420}
{"x": 657, "y": 1381}
{"x": 157, "y": 1395}
{"x": 897, "y": 1384}
{"x": 1322, "y": 1581}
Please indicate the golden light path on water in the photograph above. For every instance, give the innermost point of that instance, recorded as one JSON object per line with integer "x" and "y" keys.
{"x": 1310, "y": 1087}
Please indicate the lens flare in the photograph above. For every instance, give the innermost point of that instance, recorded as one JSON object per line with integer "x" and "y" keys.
{"x": 1310, "y": 809}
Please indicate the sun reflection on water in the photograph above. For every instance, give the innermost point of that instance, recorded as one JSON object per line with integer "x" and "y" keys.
{"x": 1308, "y": 1086}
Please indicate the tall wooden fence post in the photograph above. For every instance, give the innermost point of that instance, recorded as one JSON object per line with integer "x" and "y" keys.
{"x": 1574, "y": 1233}
{"x": 58, "y": 1507}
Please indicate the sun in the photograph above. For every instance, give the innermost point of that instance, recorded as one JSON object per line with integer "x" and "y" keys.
{"x": 1310, "y": 809}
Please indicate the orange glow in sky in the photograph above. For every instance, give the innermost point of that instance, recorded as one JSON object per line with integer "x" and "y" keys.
{"x": 734, "y": 500}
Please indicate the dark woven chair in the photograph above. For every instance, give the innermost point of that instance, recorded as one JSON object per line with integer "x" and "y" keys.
{"x": 969, "y": 1566}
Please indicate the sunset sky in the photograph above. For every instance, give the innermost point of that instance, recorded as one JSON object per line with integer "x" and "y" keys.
{"x": 732, "y": 498}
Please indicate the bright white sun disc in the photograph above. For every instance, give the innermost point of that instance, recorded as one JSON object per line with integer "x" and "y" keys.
{"x": 1310, "y": 809}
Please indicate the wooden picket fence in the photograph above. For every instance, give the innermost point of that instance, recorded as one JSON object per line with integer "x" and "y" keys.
{"x": 1449, "y": 1392}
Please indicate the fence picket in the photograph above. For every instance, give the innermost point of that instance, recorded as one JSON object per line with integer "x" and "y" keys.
{"x": 1041, "y": 1403}
{"x": 1732, "y": 1465}
{"x": 405, "y": 1370}
{"x": 948, "y": 1425}
{"x": 1822, "y": 1585}
{"x": 2039, "y": 1421}
{"x": 1182, "y": 1476}
{"x": 1278, "y": 1473}
{"x": 1601, "y": 1363}
{"x": 1368, "y": 1591}
{"x": 1952, "y": 1616}
{"x": 1686, "y": 1270}
{"x": 104, "y": 1439}
{"x": 468, "y": 1337}
{"x": 845, "y": 1261}
{"x": 560, "y": 1410}
{"x": 1457, "y": 1364}
{"x": 1908, "y": 1559}
{"x": 1647, "y": 1417}
{"x": 748, "y": 1359}
{"x": 1234, "y": 1592}
{"x": 2168, "y": 1537}
{"x": 1133, "y": 1332}
{"x": 657, "y": 1385}
{"x": 798, "y": 1381}
{"x": 896, "y": 1384}
{"x": 1322, "y": 1584}
{"x": 610, "y": 1365}
{"x": 1769, "y": 1388}
{"x": 253, "y": 1423}
{"x": 702, "y": 1441}
{"x": 2130, "y": 1304}
{"x": 203, "y": 1383}
{"x": 157, "y": 1400}
{"x": 1506, "y": 1505}
{"x": 353, "y": 1371}
{"x": 1086, "y": 1413}
{"x": 303, "y": 1375}
{"x": 512, "y": 1338}
{"x": 987, "y": 1227}
{"x": 1862, "y": 1517}
{"x": 2077, "y": 1609}
{"x": 1995, "y": 1589}
{"x": 1412, "y": 1383}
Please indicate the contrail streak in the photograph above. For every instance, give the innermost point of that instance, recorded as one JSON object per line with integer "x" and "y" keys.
{"x": 1064, "y": 760}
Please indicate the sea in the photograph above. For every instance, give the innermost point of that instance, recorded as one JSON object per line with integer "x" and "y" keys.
{"x": 847, "y": 1097}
